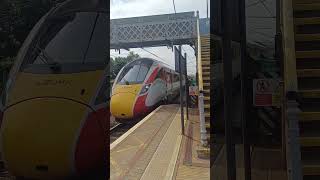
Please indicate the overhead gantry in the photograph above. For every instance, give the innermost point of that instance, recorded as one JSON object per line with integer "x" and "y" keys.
{"x": 170, "y": 30}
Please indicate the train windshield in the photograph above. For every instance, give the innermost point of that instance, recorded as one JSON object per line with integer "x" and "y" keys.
{"x": 79, "y": 37}
{"x": 135, "y": 72}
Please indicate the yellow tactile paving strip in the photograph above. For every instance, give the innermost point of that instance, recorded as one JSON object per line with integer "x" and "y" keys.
{"x": 163, "y": 162}
{"x": 130, "y": 158}
{"x": 189, "y": 167}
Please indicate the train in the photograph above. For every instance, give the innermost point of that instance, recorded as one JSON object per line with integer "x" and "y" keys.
{"x": 140, "y": 86}
{"x": 55, "y": 105}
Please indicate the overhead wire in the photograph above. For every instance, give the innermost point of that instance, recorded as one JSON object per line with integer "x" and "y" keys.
{"x": 153, "y": 54}
{"x": 174, "y": 7}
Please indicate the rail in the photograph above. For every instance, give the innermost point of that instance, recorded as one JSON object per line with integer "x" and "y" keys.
{"x": 203, "y": 132}
{"x": 287, "y": 24}
{"x": 199, "y": 58}
{"x": 291, "y": 110}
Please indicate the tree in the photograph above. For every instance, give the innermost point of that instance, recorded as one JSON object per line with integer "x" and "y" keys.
{"x": 17, "y": 18}
{"x": 117, "y": 63}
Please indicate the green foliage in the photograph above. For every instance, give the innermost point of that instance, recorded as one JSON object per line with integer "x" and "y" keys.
{"x": 17, "y": 18}
{"x": 117, "y": 63}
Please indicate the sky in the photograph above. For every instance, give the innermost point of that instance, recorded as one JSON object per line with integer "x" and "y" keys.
{"x": 260, "y": 23}
{"x": 135, "y": 8}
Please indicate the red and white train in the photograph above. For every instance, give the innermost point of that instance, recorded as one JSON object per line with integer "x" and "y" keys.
{"x": 140, "y": 86}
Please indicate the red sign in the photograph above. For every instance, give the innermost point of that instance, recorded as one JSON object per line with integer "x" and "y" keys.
{"x": 263, "y": 99}
{"x": 266, "y": 92}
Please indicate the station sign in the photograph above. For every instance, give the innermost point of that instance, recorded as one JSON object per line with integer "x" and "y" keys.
{"x": 267, "y": 92}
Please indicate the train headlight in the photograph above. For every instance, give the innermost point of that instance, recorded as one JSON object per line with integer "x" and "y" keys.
{"x": 145, "y": 88}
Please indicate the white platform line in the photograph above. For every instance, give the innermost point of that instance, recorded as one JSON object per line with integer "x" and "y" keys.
{"x": 125, "y": 135}
{"x": 171, "y": 163}
{"x": 174, "y": 159}
{"x": 158, "y": 149}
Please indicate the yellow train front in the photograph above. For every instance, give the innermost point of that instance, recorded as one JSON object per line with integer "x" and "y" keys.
{"x": 140, "y": 86}
{"x": 55, "y": 105}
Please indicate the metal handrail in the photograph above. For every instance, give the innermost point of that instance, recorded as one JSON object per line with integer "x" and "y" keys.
{"x": 199, "y": 58}
{"x": 290, "y": 105}
{"x": 287, "y": 29}
{"x": 203, "y": 132}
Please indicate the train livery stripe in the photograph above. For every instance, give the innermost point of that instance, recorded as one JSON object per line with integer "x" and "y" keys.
{"x": 126, "y": 100}
{"x": 140, "y": 107}
{"x": 153, "y": 75}
{"x": 92, "y": 142}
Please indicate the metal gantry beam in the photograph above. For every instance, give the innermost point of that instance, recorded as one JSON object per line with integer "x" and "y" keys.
{"x": 151, "y": 31}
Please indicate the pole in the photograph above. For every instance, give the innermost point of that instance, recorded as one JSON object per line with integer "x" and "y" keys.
{"x": 279, "y": 58}
{"x": 244, "y": 94}
{"x": 181, "y": 92}
{"x": 207, "y": 9}
{"x": 294, "y": 169}
{"x": 186, "y": 86}
{"x": 227, "y": 71}
{"x": 277, "y": 15}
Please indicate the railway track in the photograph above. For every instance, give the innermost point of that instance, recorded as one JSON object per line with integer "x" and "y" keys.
{"x": 118, "y": 130}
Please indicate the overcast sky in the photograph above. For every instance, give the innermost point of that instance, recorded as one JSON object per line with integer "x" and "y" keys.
{"x": 260, "y": 22}
{"x": 134, "y": 8}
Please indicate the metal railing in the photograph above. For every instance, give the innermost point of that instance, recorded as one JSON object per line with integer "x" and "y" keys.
{"x": 203, "y": 132}
{"x": 291, "y": 110}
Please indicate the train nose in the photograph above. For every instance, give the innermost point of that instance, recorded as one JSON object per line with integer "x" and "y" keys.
{"x": 39, "y": 135}
{"x": 122, "y": 105}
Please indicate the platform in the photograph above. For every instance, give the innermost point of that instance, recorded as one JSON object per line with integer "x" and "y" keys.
{"x": 265, "y": 162}
{"x": 189, "y": 165}
{"x": 155, "y": 149}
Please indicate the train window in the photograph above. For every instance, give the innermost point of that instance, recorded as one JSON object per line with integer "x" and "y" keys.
{"x": 142, "y": 73}
{"x": 131, "y": 74}
{"x": 98, "y": 49}
{"x": 135, "y": 72}
{"x": 67, "y": 40}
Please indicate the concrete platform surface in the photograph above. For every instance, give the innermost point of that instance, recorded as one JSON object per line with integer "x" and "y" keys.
{"x": 189, "y": 166}
{"x": 150, "y": 149}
